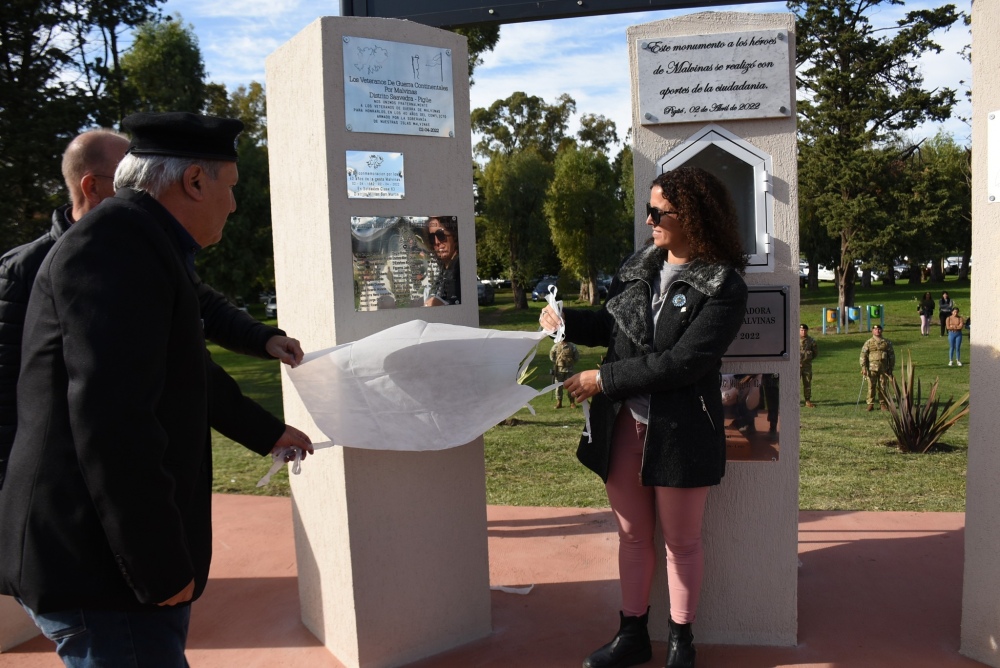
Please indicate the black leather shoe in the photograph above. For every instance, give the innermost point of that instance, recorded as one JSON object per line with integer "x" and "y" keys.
{"x": 630, "y": 646}
{"x": 680, "y": 646}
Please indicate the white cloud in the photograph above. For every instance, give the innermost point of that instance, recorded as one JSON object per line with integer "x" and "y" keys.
{"x": 586, "y": 57}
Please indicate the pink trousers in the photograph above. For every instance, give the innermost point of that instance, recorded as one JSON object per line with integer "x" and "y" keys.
{"x": 636, "y": 508}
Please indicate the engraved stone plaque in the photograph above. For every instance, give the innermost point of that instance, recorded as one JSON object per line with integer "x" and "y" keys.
{"x": 396, "y": 88}
{"x": 765, "y": 325}
{"x": 715, "y": 77}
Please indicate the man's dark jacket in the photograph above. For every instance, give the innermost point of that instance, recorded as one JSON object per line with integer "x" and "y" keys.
{"x": 18, "y": 268}
{"x": 107, "y": 501}
{"x": 678, "y": 366}
{"x": 225, "y": 324}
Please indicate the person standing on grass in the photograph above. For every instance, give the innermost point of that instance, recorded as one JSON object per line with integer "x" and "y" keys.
{"x": 954, "y": 324}
{"x": 659, "y": 444}
{"x": 564, "y": 357}
{"x": 926, "y": 311}
{"x": 807, "y": 353}
{"x": 878, "y": 359}
{"x": 945, "y": 305}
{"x": 105, "y": 514}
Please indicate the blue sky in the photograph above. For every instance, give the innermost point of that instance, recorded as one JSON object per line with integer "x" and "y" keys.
{"x": 585, "y": 57}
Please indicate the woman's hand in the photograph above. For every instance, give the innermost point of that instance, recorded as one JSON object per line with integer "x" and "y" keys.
{"x": 549, "y": 320}
{"x": 582, "y": 386}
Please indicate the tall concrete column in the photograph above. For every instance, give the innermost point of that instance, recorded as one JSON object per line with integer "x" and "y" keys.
{"x": 391, "y": 546}
{"x": 751, "y": 522}
{"x": 980, "y": 599}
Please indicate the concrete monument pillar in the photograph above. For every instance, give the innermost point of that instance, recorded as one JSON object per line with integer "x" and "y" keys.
{"x": 717, "y": 89}
{"x": 980, "y": 602}
{"x": 368, "y": 135}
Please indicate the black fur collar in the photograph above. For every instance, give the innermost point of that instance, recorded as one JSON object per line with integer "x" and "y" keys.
{"x": 630, "y": 307}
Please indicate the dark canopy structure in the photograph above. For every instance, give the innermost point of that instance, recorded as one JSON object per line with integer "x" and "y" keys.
{"x": 455, "y": 13}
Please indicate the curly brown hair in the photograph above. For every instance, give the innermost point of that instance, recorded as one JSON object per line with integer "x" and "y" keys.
{"x": 706, "y": 214}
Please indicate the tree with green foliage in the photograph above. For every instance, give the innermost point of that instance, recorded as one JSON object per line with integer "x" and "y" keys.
{"x": 54, "y": 82}
{"x": 164, "y": 70}
{"x": 939, "y": 200}
{"x": 242, "y": 263}
{"x": 597, "y": 132}
{"x": 97, "y": 28}
{"x": 512, "y": 190}
{"x": 39, "y": 114}
{"x": 858, "y": 90}
{"x": 523, "y": 121}
{"x": 582, "y": 209}
{"x": 521, "y": 136}
{"x": 481, "y": 38}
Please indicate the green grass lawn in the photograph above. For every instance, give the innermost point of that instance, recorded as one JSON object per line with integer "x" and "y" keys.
{"x": 847, "y": 461}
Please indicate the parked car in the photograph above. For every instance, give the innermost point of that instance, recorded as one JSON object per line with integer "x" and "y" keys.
{"x": 542, "y": 288}
{"x": 484, "y": 292}
{"x": 271, "y": 307}
{"x": 825, "y": 274}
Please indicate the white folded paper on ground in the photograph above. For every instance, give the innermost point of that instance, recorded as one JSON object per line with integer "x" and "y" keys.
{"x": 417, "y": 386}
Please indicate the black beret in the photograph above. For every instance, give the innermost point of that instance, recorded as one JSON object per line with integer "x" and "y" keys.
{"x": 183, "y": 134}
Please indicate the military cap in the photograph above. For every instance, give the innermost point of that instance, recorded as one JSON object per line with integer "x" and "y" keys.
{"x": 183, "y": 134}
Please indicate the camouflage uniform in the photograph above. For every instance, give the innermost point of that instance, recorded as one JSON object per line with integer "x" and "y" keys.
{"x": 807, "y": 353}
{"x": 564, "y": 356}
{"x": 878, "y": 357}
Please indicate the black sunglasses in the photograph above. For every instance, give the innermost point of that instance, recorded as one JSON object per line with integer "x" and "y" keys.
{"x": 440, "y": 235}
{"x": 655, "y": 213}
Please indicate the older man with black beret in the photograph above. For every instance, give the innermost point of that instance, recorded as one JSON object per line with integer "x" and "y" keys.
{"x": 105, "y": 516}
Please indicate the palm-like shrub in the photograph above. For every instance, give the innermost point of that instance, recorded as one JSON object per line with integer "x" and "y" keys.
{"x": 917, "y": 427}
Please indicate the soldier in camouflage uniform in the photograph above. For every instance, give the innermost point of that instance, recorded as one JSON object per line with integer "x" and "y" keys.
{"x": 807, "y": 353}
{"x": 564, "y": 356}
{"x": 877, "y": 362}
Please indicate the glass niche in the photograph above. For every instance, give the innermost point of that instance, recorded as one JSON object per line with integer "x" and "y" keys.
{"x": 745, "y": 170}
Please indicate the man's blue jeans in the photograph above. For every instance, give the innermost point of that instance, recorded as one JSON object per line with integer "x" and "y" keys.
{"x": 113, "y": 639}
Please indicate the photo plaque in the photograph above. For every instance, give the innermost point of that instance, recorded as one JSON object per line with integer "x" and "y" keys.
{"x": 396, "y": 88}
{"x": 718, "y": 77}
{"x": 764, "y": 334}
{"x": 750, "y": 404}
{"x": 405, "y": 261}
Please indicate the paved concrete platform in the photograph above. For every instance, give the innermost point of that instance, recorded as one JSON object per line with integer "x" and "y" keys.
{"x": 875, "y": 590}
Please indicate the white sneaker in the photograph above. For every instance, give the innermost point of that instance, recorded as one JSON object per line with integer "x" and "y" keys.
{"x": 950, "y": 363}
{"x": 959, "y": 362}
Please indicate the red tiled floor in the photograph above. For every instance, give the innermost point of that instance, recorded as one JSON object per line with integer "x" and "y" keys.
{"x": 875, "y": 590}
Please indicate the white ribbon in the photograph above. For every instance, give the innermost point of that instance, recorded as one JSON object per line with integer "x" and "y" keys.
{"x": 559, "y": 333}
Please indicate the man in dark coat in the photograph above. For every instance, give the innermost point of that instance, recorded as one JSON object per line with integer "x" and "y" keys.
{"x": 88, "y": 165}
{"x": 105, "y": 515}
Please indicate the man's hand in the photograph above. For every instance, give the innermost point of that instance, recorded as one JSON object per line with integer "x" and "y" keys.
{"x": 183, "y": 596}
{"x": 293, "y": 438}
{"x": 286, "y": 349}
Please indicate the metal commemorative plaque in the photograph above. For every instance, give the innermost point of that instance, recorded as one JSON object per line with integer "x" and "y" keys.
{"x": 397, "y": 88}
{"x": 375, "y": 175}
{"x": 764, "y": 334}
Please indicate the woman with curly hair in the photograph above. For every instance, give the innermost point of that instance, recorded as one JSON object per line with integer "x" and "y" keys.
{"x": 658, "y": 442}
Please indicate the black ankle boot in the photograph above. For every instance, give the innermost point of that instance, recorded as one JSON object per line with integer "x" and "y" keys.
{"x": 630, "y": 646}
{"x": 680, "y": 646}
